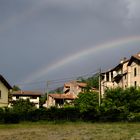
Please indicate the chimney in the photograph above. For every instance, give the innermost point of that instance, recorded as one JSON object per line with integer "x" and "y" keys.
{"x": 138, "y": 54}
{"x": 123, "y": 60}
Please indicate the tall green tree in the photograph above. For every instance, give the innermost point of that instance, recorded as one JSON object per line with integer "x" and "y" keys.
{"x": 119, "y": 103}
{"x": 88, "y": 105}
{"x": 93, "y": 82}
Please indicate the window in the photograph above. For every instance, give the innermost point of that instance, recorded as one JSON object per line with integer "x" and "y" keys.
{"x": 107, "y": 77}
{"x": 33, "y": 97}
{"x": 17, "y": 97}
{"x": 135, "y": 72}
{"x": 135, "y": 83}
{"x": 111, "y": 76}
{"x": 124, "y": 76}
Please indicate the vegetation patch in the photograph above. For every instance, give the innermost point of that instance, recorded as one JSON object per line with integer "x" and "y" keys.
{"x": 71, "y": 131}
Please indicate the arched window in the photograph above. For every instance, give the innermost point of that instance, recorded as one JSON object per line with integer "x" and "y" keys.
{"x": 135, "y": 72}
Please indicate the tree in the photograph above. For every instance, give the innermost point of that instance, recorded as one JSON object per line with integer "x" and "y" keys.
{"x": 113, "y": 105}
{"x": 119, "y": 103}
{"x": 16, "y": 88}
{"x": 42, "y": 99}
{"x": 93, "y": 81}
{"x": 128, "y": 98}
{"x": 88, "y": 105}
{"x": 23, "y": 106}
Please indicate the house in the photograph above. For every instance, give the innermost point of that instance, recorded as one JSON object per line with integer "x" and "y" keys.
{"x": 70, "y": 92}
{"x": 115, "y": 77}
{"x": 5, "y": 89}
{"x": 124, "y": 75}
{"x": 134, "y": 70}
{"x": 33, "y": 96}
{"x": 59, "y": 99}
{"x": 74, "y": 87}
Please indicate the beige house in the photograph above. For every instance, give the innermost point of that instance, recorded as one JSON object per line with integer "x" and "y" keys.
{"x": 59, "y": 100}
{"x": 74, "y": 87}
{"x": 125, "y": 74}
{"x": 5, "y": 89}
{"x": 71, "y": 91}
{"x": 33, "y": 96}
{"x": 134, "y": 70}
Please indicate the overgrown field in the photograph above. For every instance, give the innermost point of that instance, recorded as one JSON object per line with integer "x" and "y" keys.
{"x": 70, "y": 131}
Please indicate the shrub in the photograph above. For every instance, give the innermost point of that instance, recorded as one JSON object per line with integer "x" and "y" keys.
{"x": 87, "y": 103}
{"x": 133, "y": 117}
{"x": 10, "y": 116}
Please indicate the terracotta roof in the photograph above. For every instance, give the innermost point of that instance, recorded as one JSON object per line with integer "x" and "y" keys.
{"x": 81, "y": 84}
{"x": 67, "y": 84}
{"x": 62, "y": 96}
{"x": 4, "y": 81}
{"x": 21, "y": 92}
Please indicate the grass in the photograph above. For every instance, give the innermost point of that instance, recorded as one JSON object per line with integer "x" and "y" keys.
{"x": 70, "y": 131}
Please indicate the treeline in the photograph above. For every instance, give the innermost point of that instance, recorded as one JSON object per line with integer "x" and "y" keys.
{"x": 11, "y": 115}
{"x": 117, "y": 105}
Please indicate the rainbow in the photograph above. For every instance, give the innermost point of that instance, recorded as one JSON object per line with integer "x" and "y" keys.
{"x": 76, "y": 56}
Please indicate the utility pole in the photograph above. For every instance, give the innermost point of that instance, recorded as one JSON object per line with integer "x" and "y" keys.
{"x": 99, "y": 86}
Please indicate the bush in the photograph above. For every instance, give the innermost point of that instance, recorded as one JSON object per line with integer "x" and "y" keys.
{"x": 133, "y": 117}
{"x": 11, "y": 117}
{"x": 1, "y": 115}
{"x": 118, "y": 105}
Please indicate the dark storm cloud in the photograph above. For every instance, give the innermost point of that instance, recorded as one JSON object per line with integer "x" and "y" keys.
{"x": 34, "y": 34}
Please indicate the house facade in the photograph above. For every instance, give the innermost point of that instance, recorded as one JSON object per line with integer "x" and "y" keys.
{"x": 5, "y": 89}
{"x": 33, "y": 96}
{"x": 70, "y": 92}
{"x": 59, "y": 100}
{"x": 124, "y": 75}
{"x": 134, "y": 71}
{"x": 74, "y": 87}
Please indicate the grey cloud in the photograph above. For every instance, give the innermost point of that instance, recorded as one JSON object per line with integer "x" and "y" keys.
{"x": 35, "y": 34}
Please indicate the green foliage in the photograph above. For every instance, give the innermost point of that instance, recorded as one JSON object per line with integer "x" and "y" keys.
{"x": 128, "y": 98}
{"x": 93, "y": 81}
{"x": 1, "y": 114}
{"x": 87, "y": 103}
{"x": 23, "y": 106}
{"x": 133, "y": 99}
{"x": 57, "y": 90}
{"x": 42, "y": 99}
{"x": 133, "y": 117}
{"x": 11, "y": 117}
{"x": 118, "y": 104}
{"x": 62, "y": 114}
{"x": 16, "y": 88}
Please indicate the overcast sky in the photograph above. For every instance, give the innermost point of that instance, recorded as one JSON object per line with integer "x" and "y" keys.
{"x": 37, "y": 34}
